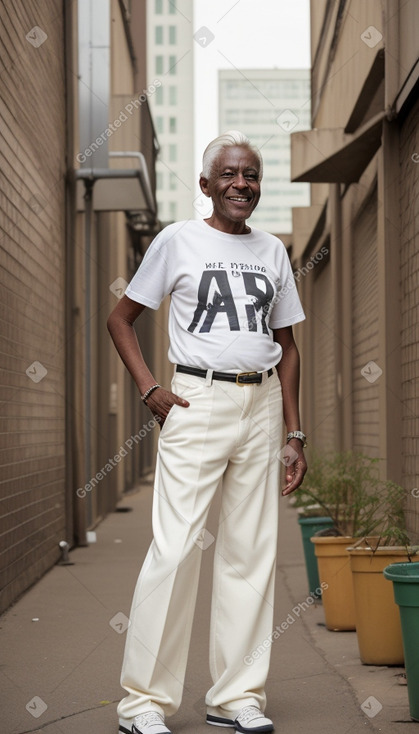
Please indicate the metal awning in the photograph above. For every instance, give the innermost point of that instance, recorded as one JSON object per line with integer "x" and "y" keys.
{"x": 333, "y": 156}
{"x": 113, "y": 189}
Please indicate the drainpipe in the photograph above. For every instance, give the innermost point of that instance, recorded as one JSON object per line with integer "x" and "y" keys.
{"x": 89, "y": 176}
{"x": 88, "y": 198}
{"x": 94, "y": 56}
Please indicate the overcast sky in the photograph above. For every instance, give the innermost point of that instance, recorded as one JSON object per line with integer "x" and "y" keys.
{"x": 247, "y": 34}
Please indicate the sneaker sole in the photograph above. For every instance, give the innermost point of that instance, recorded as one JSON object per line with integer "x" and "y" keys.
{"x": 255, "y": 730}
{"x": 229, "y": 723}
{"x": 136, "y": 730}
{"x": 219, "y": 721}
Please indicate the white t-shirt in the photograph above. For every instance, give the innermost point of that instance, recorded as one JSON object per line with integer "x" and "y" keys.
{"x": 227, "y": 294}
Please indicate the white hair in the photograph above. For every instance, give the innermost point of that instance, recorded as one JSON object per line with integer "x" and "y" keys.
{"x": 230, "y": 138}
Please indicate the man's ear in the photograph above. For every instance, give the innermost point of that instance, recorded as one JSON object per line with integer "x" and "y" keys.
{"x": 203, "y": 182}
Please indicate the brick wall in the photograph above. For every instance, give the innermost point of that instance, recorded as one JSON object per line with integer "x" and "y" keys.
{"x": 32, "y": 248}
{"x": 323, "y": 386}
{"x": 365, "y": 330}
{"x": 409, "y": 230}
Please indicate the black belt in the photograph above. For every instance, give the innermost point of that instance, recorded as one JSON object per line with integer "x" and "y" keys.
{"x": 242, "y": 378}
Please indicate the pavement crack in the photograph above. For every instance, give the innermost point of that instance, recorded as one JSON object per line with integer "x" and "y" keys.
{"x": 68, "y": 716}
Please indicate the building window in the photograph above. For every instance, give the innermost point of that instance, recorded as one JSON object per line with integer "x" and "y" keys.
{"x": 159, "y": 124}
{"x": 172, "y": 181}
{"x": 159, "y": 180}
{"x": 172, "y": 95}
{"x": 158, "y": 7}
{"x": 159, "y": 64}
{"x": 172, "y": 35}
{"x": 172, "y": 7}
{"x": 172, "y": 64}
{"x": 158, "y": 33}
{"x": 159, "y": 95}
{"x": 172, "y": 210}
{"x": 172, "y": 124}
{"x": 172, "y": 153}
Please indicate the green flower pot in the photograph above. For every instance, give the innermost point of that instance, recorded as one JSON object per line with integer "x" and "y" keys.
{"x": 405, "y": 578}
{"x": 309, "y": 526}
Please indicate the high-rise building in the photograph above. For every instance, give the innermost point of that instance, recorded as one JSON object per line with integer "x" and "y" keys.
{"x": 267, "y": 105}
{"x": 170, "y": 59}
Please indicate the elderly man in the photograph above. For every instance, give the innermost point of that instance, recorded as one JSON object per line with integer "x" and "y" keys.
{"x": 236, "y": 374}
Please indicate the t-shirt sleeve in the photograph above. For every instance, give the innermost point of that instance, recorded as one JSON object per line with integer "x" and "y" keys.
{"x": 151, "y": 283}
{"x": 287, "y": 309}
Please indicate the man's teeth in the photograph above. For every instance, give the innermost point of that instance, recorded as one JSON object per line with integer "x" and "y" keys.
{"x": 239, "y": 198}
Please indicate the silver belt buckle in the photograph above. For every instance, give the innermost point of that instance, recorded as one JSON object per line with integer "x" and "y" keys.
{"x": 246, "y": 374}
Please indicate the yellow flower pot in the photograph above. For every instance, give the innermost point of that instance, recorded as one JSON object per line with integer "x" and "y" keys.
{"x": 336, "y": 579}
{"x": 378, "y": 625}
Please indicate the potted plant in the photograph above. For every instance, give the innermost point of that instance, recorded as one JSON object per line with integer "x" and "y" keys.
{"x": 311, "y": 519}
{"x": 347, "y": 487}
{"x": 377, "y": 616}
{"x": 405, "y": 578}
{"x": 309, "y": 526}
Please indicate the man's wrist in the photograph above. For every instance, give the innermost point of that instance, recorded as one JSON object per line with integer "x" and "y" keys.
{"x": 148, "y": 392}
{"x": 299, "y": 435}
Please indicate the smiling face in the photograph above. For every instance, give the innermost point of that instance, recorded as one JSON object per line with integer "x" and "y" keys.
{"x": 234, "y": 188}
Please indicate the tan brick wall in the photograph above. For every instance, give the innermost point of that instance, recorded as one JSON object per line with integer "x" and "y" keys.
{"x": 365, "y": 329}
{"x": 323, "y": 386}
{"x": 409, "y": 230}
{"x": 32, "y": 247}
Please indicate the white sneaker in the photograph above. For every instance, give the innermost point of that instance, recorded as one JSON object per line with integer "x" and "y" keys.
{"x": 150, "y": 722}
{"x": 249, "y": 720}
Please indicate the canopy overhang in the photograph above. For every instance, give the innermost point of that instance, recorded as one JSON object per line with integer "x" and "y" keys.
{"x": 333, "y": 156}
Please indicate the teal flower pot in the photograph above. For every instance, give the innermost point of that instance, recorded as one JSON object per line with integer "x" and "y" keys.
{"x": 309, "y": 526}
{"x": 405, "y": 578}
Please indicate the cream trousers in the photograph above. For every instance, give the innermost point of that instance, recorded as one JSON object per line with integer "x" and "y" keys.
{"x": 229, "y": 433}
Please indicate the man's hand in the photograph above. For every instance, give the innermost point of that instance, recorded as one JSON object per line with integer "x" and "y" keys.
{"x": 294, "y": 473}
{"x": 161, "y": 401}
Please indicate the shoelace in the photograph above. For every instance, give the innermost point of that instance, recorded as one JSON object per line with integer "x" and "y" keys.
{"x": 151, "y": 717}
{"x": 248, "y": 713}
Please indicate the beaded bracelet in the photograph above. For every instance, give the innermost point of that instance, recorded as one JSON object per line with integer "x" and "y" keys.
{"x": 148, "y": 392}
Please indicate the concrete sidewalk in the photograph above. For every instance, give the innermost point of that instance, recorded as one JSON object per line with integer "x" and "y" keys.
{"x": 62, "y": 646}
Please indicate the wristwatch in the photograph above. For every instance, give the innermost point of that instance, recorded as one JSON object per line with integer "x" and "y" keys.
{"x": 298, "y": 434}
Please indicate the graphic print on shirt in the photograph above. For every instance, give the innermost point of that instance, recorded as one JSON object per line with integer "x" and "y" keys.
{"x": 216, "y": 300}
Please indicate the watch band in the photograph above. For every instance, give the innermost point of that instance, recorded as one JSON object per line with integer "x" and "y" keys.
{"x": 148, "y": 392}
{"x": 297, "y": 434}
